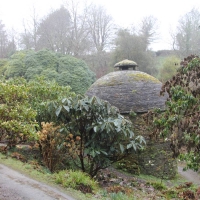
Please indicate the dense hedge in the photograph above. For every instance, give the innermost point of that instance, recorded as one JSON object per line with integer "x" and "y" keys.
{"x": 66, "y": 70}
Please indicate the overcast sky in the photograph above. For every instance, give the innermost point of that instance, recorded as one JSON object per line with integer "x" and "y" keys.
{"x": 124, "y": 12}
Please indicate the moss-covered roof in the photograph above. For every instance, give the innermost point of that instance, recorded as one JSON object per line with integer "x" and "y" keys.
{"x": 125, "y": 62}
{"x": 129, "y": 90}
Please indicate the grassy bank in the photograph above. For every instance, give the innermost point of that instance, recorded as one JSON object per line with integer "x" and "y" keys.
{"x": 135, "y": 187}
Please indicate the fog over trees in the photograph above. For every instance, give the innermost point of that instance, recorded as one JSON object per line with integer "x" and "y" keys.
{"x": 187, "y": 36}
{"x": 88, "y": 32}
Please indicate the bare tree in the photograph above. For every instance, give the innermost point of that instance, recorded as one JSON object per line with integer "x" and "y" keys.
{"x": 12, "y": 42}
{"x": 54, "y": 31}
{"x": 132, "y": 46}
{"x": 79, "y": 31}
{"x": 29, "y": 38}
{"x": 101, "y": 34}
{"x": 187, "y": 36}
{"x": 101, "y": 28}
{"x": 7, "y": 42}
{"x": 3, "y": 41}
{"x": 148, "y": 29}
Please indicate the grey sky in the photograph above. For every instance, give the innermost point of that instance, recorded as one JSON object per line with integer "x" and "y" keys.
{"x": 124, "y": 12}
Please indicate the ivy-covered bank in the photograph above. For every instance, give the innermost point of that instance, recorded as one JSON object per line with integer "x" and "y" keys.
{"x": 156, "y": 159}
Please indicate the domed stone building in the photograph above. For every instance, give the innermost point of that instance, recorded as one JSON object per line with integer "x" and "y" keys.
{"x": 137, "y": 92}
{"x": 129, "y": 89}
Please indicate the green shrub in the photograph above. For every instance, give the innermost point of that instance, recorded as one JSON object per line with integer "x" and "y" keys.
{"x": 76, "y": 180}
{"x": 17, "y": 119}
{"x": 180, "y": 122}
{"x": 158, "y": 185}
{"x": 65, "y": 70}
{"x": 41, "y": 92}
{"x": 105, "y": 135}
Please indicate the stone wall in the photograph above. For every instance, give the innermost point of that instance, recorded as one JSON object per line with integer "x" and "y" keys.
{"x": 157, "y": 160}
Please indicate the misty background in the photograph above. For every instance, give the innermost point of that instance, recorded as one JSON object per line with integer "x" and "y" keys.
{"x": 88, "y": 31}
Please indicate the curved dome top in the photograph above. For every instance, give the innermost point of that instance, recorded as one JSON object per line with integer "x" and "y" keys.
{"x": 129, "y": 90}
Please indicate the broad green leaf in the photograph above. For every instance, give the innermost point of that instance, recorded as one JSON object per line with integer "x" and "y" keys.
{"x": 103, "y": 126}
{"x": 66, "y": 108}
{"x": 98, "y": 101}
{"x": 104, "y": 152}
{"x": 58, "y": 110}
{"x": 97, "y": 152}
{"x": 95, "y": 128}
{"x": 129, "y": 146}
{"x": 92, "y": 153}
{"x": 121, "y": 148}
{"x": 63, "y": 100}
{"x": 141, "y": 139}
{"x": 117, "y": 123}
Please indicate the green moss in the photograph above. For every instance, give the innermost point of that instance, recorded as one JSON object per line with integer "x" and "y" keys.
{"x": 123, "y": 77}
{"x": 134, "y": 91}
{"x": 156, "y": 159}
{"x": 110, "y": 82}
{"x": 125, "y": 62}
{"x": 142, "y": 77}
{"x": 158, "y": 186}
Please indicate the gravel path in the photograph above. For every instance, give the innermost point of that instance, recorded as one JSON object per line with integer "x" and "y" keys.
{"x": 16, "y": 186}
{"x": 189, "y": 175}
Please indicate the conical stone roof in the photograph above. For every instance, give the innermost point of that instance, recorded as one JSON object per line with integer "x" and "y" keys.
{"x": 129, "y": 90}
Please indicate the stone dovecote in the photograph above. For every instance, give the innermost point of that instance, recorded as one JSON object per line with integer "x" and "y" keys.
{"x": 129, "y": 90}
